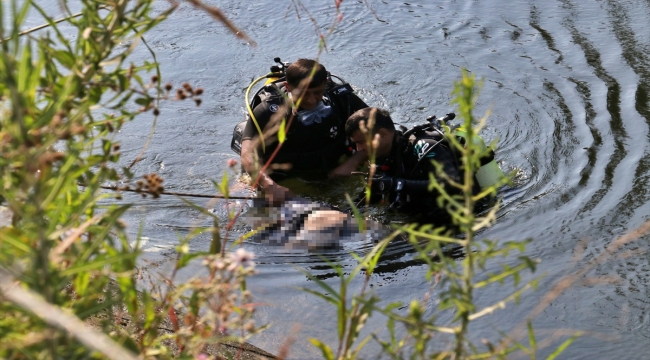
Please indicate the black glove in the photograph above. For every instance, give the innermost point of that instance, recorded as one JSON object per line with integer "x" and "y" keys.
{"x": 381, "y": 184}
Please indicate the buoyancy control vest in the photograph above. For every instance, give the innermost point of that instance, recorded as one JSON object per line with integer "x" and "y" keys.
{"x": 489, "y": 172}
{"x": 314, "y": 147}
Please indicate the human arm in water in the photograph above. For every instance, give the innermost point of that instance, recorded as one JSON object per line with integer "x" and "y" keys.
{"x": 274, "y": 193}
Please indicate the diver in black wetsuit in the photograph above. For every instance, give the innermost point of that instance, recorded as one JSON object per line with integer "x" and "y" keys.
{"x": 403, "y": 163}
{"x": 314, "y": 114}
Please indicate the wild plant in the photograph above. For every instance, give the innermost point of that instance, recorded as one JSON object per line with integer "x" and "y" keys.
{"x": 65, "y": 259}
{"x": 456, "y": 282}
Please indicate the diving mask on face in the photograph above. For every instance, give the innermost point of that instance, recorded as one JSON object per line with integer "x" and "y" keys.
{"x": 317, "y": 114}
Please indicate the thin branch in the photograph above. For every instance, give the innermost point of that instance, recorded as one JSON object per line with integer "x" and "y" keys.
{"x": 43, "y": 26}
{"x": 208, "y": 196}
{"x": 217, "y": 14}
{"x": 56, "y": 317}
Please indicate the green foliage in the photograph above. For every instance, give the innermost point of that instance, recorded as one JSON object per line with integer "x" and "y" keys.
{"x": 60, "y": 101}
{"x": 352, "y": 314}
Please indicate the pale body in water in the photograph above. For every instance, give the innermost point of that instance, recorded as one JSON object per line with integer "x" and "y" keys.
{"x": 302, "y": 225}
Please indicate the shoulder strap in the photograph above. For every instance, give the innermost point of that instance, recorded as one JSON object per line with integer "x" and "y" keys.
{"x": 338, "y": 95}
{"x": 269, "y": 92}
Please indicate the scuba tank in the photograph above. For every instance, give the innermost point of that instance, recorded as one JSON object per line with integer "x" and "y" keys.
{"x": 489, "y": 173}
{"x": 276, "y": 75}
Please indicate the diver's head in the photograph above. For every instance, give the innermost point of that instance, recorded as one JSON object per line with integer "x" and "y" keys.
{"x": 298, "y": 74}
{"x": 376, "y": 122}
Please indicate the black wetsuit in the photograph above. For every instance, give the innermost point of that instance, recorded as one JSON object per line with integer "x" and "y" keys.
{"x": 314, "y": 147}
{"x": 411, "y": 162}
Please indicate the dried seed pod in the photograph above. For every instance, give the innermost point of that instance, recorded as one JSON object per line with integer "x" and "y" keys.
{"x": 154, "y": 78}
{"x": 198, "y": 102}
{"x": 168, "y": 87}
{"x": 77, "y": 129}
{"x": 198, "y": 91}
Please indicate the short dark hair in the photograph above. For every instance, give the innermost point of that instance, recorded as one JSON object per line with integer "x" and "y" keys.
{"x": 302, "y": 68}
{"x": 382, "y": 120}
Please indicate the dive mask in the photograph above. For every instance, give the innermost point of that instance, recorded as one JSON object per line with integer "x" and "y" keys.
{"x": 317, "y": 114}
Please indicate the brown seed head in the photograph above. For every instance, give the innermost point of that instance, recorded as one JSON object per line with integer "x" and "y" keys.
{"x": 77, "y": 129}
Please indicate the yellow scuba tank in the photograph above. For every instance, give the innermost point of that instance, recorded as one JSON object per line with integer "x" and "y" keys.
{"x": 489, "y": 173}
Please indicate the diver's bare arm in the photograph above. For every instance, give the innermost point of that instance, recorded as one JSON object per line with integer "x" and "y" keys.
{"x": 351, "y": 164}
{"x": 252, "y": 166}
{"x": 274, "y": 193}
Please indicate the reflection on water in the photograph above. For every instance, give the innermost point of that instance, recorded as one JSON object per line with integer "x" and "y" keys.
{"x": 567, "y": 82}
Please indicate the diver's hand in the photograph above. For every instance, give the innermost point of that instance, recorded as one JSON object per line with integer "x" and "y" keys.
{"x": 276, "y": 195}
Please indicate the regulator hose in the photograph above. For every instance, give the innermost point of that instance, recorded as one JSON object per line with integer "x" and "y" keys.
{"x": 248, "y": 104}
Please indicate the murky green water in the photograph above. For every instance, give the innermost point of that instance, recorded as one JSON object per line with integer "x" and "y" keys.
{"x": 567, "y": 82}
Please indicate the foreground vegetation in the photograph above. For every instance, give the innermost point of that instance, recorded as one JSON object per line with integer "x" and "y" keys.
{"x": 66, "y": 259}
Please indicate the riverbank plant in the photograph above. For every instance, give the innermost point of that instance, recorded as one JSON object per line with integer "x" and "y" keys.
{"x": 415, "y": 330}
{"x": 69, "y": 284}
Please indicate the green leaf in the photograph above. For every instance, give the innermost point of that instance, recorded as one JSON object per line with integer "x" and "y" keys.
{"x": 186, "y": 258}
{"x": 145, "y": 101}
{"x": 331, "y": 299}
{"x": 361, "y": 223}
{"x": 215, "y": 245}
{"x": 325, "y": 350}
{"x": 282, "y": 133}
{"x": 81, "y": 283}
{"x": 16, "y": 239}
{"x": 95, "y": 264}
{"x": 95, "y": 94}
{"x": 123, "y": 82}
{"x": 564, "y": 345}
{"x": 25, "y": 68}
{"x": 531, "y": 340}
{"x": 223, "y": 186}
{"x": 64, "y": 58}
